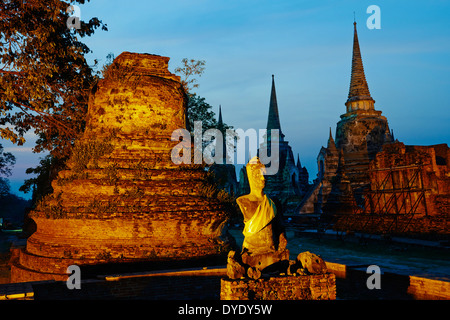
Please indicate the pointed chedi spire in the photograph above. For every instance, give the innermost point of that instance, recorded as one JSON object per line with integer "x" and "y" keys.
{"x": 219, "y": 121}
{"x": 331, "y": 145}
{"x": 358, "y": 84}
{"x": 359, "y": 94}
{"x": 388, "y": 136}
{"x": 290, "y": 157}
{"x": 220, "y": 127}
{"x": 299, "y": 164}
{"x": 273, "y": 121}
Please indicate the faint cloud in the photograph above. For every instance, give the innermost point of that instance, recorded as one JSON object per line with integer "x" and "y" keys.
{"x": 413, "y": 47}
{"x": 19, "y": 149}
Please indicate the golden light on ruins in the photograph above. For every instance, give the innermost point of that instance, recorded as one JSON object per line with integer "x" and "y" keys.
{"x": 121, "y": 199}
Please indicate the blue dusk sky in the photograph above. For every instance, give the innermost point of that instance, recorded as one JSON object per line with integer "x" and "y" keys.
{"x": 307, "y": 45}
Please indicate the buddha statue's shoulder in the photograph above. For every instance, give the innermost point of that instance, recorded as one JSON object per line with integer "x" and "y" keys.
{"x": 243, "y": 201}
{"x": 248, "y": 204}
{"x": 248, "y": 199}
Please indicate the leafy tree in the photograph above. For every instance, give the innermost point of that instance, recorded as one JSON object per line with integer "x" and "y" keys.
{"x": 4, "y": 187}
{"x": 197, "y": 108}
{"x": 44, "y": 77}
{"x": 44, "y": 174}
{"x": 13, "y": 209}
{"x": 7, "y": 160}
{"x": 190, "y": 68}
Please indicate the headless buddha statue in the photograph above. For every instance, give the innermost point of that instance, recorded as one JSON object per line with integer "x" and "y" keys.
{"x": 264, "y": 241}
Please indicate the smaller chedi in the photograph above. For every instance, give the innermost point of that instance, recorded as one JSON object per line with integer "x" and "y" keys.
{"x": 263, "y": 271}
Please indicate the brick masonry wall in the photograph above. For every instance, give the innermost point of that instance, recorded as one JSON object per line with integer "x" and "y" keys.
{"x": 148, "y": 288}
{"x": 426, "y": 289}
{"x": 396, "y": 224}
{"x": 414, "y": 170}
{"x": 206, "y": 284}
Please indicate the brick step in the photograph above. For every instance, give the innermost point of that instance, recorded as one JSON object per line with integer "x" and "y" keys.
{"x": 136, "y": 173}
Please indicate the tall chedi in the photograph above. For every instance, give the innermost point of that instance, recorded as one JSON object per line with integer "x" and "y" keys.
{"x": 362, "y": 130}
{"x": 224, "y": 172}
{"x": 121, "y": 198}
{"x": 343, "y": 165}
{"x": 287, "y": 185}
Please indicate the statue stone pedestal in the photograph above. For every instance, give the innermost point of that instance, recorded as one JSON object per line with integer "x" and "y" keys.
{"x": 305, "y": 278}
{"x": 263, "y": 271}
{"x": 300, "y": 287}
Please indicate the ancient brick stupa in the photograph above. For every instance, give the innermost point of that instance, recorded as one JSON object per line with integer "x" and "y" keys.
{"x": 343, "y": 165}
{"x": 362, "y": 130}
{"x": 121, "y": 197}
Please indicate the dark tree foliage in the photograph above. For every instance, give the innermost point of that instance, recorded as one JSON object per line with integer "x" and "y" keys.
{"x": 197, "y": 109}
{"x": 7, "y": 160}
{"x": 45, "y": 79}
{"x": 44, "y": 76}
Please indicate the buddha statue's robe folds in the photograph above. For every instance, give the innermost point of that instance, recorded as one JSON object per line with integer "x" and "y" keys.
{"x": 258, "y": 232}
